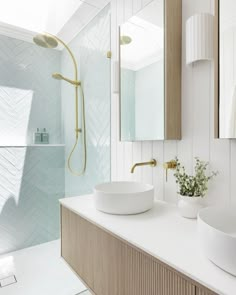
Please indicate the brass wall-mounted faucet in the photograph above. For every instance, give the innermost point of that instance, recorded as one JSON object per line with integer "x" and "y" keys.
{"x": 169, "y": 165}
{"x": 151, "y": 163}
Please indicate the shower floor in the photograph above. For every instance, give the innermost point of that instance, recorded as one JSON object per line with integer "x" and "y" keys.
{"x": 39, "y": 270}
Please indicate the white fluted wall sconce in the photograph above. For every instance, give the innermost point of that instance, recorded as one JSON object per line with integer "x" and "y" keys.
{"x": 199, "y": 37}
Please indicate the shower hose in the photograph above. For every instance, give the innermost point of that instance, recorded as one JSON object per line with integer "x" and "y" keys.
{"x": 77, "y": 131}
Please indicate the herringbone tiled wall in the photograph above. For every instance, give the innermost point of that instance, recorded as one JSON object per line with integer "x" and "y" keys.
{"x": 90, "y": 48}
{"x": 31, "y": 182}
{"x": 31, "y": 178}
{"x": 29, "y": 98}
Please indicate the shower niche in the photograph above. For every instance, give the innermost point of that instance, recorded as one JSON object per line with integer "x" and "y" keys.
{"x": 150, "y": 73}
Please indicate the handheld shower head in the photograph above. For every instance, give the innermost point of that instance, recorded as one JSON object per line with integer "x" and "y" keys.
{"x": 51, "y": 41}
{"x": 45, "y": 40}
{"x": 58, "y": 76}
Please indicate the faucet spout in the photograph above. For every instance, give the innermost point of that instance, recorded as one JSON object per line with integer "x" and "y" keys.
{"x": 151, "y": 163}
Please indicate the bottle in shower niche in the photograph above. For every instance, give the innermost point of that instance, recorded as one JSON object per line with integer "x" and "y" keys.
{"x": 45, "y": 136}
{"x": 37, "y": 137}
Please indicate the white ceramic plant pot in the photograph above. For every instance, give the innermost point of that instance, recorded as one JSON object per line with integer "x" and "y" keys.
{"x": 189, "y": 206}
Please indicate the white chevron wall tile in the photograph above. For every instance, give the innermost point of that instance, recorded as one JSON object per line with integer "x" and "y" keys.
{"x": 27, "y": 92}
{"x": 31, "y": 179}
{"x": 15, "y": 106}
{"x": 90, "y": 47}
{"x": 29, "y": 212}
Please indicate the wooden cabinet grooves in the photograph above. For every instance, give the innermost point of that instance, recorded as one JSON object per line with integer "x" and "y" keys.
{"x": 111, "y": 266}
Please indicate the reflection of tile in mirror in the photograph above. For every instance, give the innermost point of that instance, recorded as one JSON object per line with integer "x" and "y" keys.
{"x": 142, "y": 74}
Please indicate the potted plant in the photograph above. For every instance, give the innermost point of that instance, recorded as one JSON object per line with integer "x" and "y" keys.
{"x": 192, "y": 188}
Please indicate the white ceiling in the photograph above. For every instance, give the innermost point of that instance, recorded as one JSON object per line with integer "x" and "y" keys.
{"x": 64, "y": 18}
{"x": 147, "y": 34}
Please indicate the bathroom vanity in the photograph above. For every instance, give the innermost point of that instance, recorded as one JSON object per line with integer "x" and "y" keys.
{"x": 156, "y": 252}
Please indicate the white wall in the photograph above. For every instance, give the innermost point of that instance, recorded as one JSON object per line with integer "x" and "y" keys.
{"x": 197, "y": 123}
{"x": 28, "y": 14}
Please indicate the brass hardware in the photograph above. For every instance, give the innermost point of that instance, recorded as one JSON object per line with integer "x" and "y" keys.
{"x": 125, "y": 40}
{"x": 151, "y": 163}
{"x": 58, "y": 76}
{"x": 109, "y": 54}
{"x": 50, "y": 41}
{"x": 169, "y": 165}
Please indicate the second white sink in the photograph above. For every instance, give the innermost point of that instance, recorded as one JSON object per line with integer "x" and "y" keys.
{"x": 124, "y": 197}
{"x": 217, "y": 229}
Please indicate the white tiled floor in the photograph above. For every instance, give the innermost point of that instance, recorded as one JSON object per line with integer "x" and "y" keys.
{"x": 39, "y": 270}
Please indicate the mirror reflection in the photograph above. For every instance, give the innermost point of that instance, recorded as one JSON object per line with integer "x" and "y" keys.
{"x": 142, "y": 74}
{"x": 227, "y": 65}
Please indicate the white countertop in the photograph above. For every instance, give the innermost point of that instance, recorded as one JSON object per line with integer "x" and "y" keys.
{"x": 165, "y": 235}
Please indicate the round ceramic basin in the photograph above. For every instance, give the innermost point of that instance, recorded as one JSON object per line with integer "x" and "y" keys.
{"x": 124, "y": 197}
{"x": 217, "y": 230}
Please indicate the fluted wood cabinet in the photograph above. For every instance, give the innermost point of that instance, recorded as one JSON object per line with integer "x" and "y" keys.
{"x": 203, "y": 291}
{"x": 109, "y": 265}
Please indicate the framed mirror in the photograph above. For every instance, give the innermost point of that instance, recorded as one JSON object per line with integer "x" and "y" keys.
{"x": 225, "y": 69}
{"x": 150, "y": 73}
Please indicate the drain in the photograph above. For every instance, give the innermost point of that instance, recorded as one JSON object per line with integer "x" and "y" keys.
{"x": 4, "y": 282}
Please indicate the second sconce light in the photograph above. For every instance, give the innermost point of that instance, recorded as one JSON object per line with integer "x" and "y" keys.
{"x": 199, "y": 38}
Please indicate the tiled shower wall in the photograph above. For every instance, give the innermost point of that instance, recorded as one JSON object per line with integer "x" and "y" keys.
{"x": 31, "y": 182}
{"x": 29, "y": 98}
{"x": 197, "y": 122}
{"x": 31, "y": 178}
{"x": 90, "y": 48}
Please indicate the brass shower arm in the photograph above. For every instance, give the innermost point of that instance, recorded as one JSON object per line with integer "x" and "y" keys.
{"x": 69, "y": 51}
{"x": 76, "y": 83}
{"x": 77, "y": 130}
{"x": 50, "y": 41}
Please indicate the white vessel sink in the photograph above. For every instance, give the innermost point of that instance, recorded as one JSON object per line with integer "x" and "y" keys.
{"x": 124, "y": 197}
{"x": 217, "y": 230}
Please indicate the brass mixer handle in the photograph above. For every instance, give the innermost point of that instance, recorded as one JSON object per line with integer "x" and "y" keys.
{"x": 78, "y": 130}
{"x": 169, "y": 165}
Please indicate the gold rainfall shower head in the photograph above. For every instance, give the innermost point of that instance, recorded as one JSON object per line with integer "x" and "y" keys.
{"x": 45, "y": 40}
{"x": 50, "y": 41}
